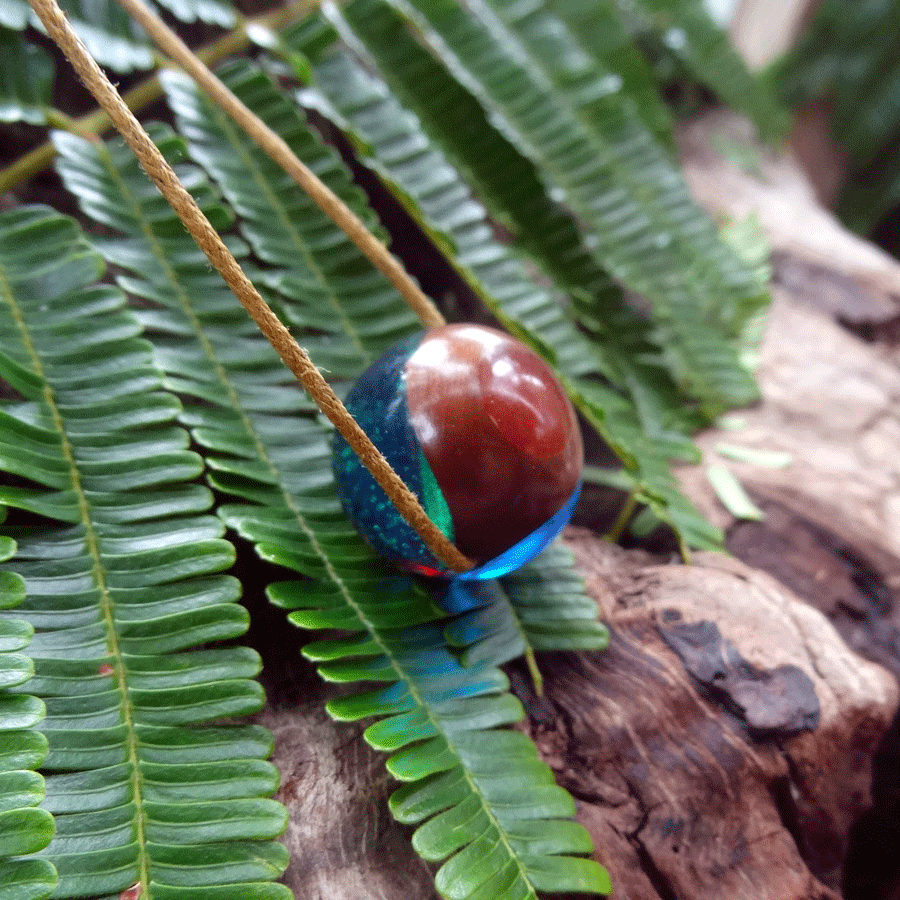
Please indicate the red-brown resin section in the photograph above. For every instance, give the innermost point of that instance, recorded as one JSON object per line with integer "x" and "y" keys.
{"x": 498, "y": 432}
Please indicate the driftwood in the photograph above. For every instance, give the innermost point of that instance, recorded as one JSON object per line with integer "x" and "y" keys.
{"x": 723, "y": 746}
{"x": 830, "y": 381}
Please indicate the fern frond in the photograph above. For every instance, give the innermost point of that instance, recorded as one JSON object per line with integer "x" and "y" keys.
{"x": 441, "y": 143}
{"x": 396, "y": 147}
{"x": 24, "y": 829}
{"x": 417, "y": 157}
{"x": 644, "y": 428}
{"x": 606, "y": 167}
{"x": 542, "y": 606}
{"x": 486, "y": 800}
{"x": 118, "y": 591}
{"x": 349, "y": 311}
{"x": 723, "y": 290}
{"x": 380, "y": 615}
{"x": 687, "y": 30}
{"x": 275, "y": 462}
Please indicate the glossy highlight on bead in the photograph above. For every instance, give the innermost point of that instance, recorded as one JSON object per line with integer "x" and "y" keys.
{"x": 481, "y": 431}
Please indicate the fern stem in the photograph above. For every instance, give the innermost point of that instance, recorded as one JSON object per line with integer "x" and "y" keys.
{"x": 98, "y": 122}
{"x": 536, "y": 678}
{"x": 207, "y": 238}
{"x": 278, "y": 150}
{"x": 615, "y": 533}
{"x": 56, "y": 118}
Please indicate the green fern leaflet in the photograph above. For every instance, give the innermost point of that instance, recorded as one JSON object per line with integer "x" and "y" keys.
{"x": 24, "y": 829}
{"x": 121, "y": 581}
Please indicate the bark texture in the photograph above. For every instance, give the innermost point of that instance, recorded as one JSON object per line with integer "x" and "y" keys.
{"x": 723, "y": 746}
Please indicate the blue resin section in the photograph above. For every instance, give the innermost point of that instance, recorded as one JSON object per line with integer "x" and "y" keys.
{"x": 378, "y": 403}
{"x": 527, "y": 549}
{"x": 461, "y": 595}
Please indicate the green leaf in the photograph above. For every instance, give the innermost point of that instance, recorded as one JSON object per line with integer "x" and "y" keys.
{"x": 20, "y": 789}
{"x": 732, "y": 494}
{"x": 22, "y": 750}
{"x": 15, "y": 669}
{"x": 117, "y": 595}
{"x": 24, "y": 831}
{"x": 614, "y": 478}
{"x": 26, "y": 80}
{"x": 26, "y": 879}
{"x": 19, "y": 711}
{"x": 14, "y": 635}
{"x": 772, "y": 459}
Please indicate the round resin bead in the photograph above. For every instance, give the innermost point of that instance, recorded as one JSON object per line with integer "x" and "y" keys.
{"x": 481, "y": 431}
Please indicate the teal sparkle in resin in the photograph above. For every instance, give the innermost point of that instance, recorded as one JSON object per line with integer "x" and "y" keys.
{"x": 378, "y": 403}
{"x": 480, "y": 430}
